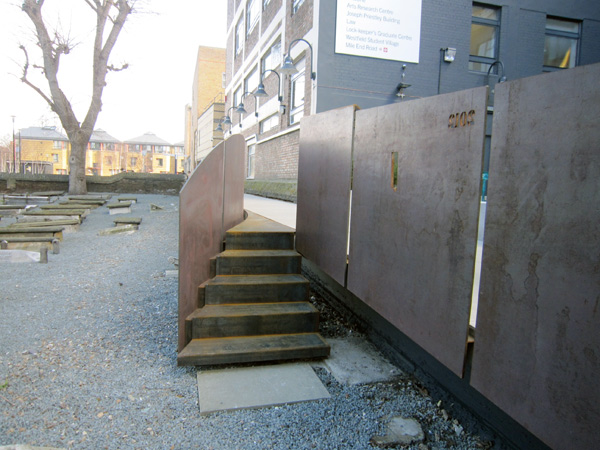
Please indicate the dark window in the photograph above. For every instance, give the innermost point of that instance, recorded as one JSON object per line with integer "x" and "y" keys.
{"x": 485, "y": 33}
{"x": 561, "y": 45}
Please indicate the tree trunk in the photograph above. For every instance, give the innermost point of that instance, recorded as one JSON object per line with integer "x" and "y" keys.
{"x": 77, "y": 184}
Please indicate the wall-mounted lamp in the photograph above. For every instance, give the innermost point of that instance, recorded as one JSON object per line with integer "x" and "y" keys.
{"x": 502, "y": 77}
{"x": 260, "y": 90}
{"x": 449, "y": 54}
{"x": 219, "y": 127}
{"x": 288, "y": 67}
{"x": 227, "y": 119}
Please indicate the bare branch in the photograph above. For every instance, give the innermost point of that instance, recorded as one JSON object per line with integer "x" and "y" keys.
{"x": 29, "y": 83}
{"x": 94, "y": 5}
{"x": 117, "y": 69}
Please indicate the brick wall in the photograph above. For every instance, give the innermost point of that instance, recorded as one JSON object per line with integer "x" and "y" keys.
{"x": 278, "y": 158}
{"x": 269, "y": 12}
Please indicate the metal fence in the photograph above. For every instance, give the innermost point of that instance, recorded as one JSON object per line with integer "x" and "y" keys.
{"x": 389, "y": 201}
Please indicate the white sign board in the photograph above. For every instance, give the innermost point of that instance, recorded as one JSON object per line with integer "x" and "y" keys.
{"x": 385, "y": 29}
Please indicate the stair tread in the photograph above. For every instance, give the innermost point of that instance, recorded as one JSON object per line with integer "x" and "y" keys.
{"x": 262, "y": 253}
{"x": 252, "y": 309}
{"x": 253, "y": 348}
{"x": 259, "y": 224}
{"x": 251, "y": 279}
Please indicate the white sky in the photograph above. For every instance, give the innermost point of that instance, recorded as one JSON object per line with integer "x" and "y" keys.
{"x": 159, "y": 44}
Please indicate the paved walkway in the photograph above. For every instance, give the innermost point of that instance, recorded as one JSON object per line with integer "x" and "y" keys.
{"x": 277, "y": 210}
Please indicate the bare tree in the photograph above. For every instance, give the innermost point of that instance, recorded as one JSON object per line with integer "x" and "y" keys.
{"x": 110, "y": 19}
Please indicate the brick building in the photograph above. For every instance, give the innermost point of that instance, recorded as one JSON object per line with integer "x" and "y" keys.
{"x": 104, "y": 155}
{"x": 206, "y": 110}
{"x": 42, "y": 150}
{"x": 372, "y": 53}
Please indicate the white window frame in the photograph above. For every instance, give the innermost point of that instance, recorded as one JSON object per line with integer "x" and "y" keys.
{"x": 269, "y": 123}
{"x": 271, "y": 60}
{"x": 237, "y": 96}
{"x": 252, "y": 15}
{"x": 296, "y": 5}
{"x": 298, "y": 79}
{"x": 251, "y": 167}
{"x": 239, "y": 34}
{"x": 251, "y": 81}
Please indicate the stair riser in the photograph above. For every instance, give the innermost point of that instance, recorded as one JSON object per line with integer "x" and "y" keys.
{"x": 263, "y": 293}
{"x": 260, "y": 241}
{"x": 255, "y": 325}
{"x": 284, "y": 355}
{"x": 255, "y": 265}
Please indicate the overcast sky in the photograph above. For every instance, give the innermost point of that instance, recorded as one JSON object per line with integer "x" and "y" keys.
{"x": 159, "y": 44}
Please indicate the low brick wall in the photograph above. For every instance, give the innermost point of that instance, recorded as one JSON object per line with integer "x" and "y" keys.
{"x": 278, "y": 189}
{"x": 126, "y": 182}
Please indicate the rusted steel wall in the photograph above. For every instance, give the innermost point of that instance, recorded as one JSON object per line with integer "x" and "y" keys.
{"x": 414, "y": 234}
{"x": 324, "y": 176}
{"x": 537, "y": 348}
{"x": 210, "y": 202}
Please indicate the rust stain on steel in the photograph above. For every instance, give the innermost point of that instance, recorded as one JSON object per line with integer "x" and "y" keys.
{"x": 203, "y": 218}
{"x": 414, "y": 224}
{"x": 537, "y": 347}
{"x": 324, "y": 177}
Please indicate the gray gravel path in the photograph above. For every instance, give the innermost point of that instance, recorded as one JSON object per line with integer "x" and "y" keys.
{"x": 88, "y": 360}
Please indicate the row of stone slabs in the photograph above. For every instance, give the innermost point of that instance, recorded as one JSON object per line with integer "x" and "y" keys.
{"x": 35, "y": 224}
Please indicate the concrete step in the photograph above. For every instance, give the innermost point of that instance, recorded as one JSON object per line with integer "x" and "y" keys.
{"x": 253, "y": 289}
{"x": 259, "y": 240}
{"x": 233, "y": 350}
{"x": 69, "y": 225}
{"x": 252, "y": 319}
{"x": 45, "y": 232}
{"x": 247, "y": 262}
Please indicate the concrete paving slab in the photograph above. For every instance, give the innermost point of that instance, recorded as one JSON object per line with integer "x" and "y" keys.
{"x": 277, "y": 210}
{"x": 19, "y": 256}
{"x": 353, "y": 360}
{"x": 254, "y": 387}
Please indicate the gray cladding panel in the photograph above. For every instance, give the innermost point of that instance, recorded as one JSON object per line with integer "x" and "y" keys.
{"x": 538, "y": 325}
{"x": 324, "y": 176}
{"x": 412, "y": 249}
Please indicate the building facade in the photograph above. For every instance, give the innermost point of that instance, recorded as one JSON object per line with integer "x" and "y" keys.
{"x": 104, "y": 155}
{"x": 208, "y": 95}
{"x": 42, "y": 150}
{"x": 149, "y": 153}
{"x": 372, "y": 52}
{"x": 45, "y": 150}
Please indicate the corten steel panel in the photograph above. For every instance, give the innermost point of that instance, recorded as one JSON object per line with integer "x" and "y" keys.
{"x": 537, "y": 348}
{"x": 412, "y": 250}
{"x": 235, "y": 165}
{"x": 323, "y": 199}
{"x": 200, "y": 221}
{"x": 202, "y": 216}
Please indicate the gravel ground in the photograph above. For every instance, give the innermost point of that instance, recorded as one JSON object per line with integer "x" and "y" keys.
{"x": 88, "y": 360}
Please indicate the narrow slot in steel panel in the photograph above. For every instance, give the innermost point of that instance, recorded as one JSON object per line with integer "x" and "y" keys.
{"x": 324, "y": 176}
{"x": 412, "y": 249}
{"x": 537, "y": 346}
